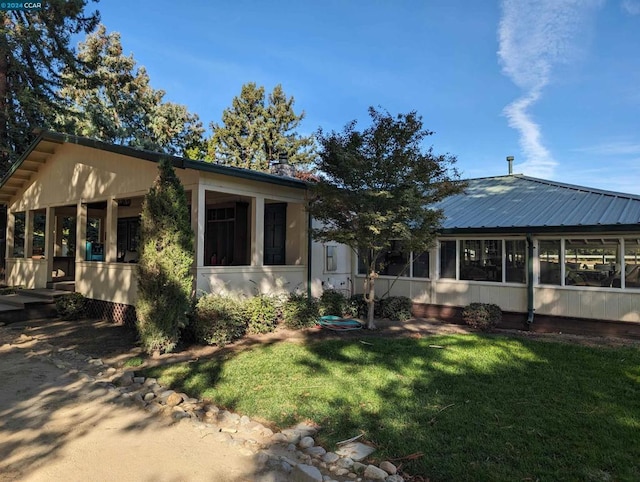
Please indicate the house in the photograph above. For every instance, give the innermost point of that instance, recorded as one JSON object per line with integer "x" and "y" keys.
{"x": 541, "y": 250}
{"x": 73, "y": 207}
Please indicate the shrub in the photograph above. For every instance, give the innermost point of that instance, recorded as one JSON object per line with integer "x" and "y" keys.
{"x": 261, "y": 313}
{"x": 71, "y": 307}
{"x": 483, "y": 316}
{"x": 218, "y": 320}
{"x": 164, "y": 269}
{"x": 299, "y": 311}
{"x": 333, "y": 302}
{"x": 397, "y": 308}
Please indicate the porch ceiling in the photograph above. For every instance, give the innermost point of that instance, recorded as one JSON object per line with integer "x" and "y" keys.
{"x": 22, "y": 171}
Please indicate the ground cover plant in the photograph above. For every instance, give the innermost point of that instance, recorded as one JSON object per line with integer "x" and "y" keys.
{"x": 465, "y": 407}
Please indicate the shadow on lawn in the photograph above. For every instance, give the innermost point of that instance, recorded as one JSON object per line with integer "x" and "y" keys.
{"x": 487, "y": 408}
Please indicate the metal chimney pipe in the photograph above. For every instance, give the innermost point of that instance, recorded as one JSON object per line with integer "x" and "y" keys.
{"x": 510, "y": 161}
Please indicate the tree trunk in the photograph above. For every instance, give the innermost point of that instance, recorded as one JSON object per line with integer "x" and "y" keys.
{"x": 370, "y": 298}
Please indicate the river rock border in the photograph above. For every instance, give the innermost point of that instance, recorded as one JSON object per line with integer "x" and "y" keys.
{"x": 292, "y": 451}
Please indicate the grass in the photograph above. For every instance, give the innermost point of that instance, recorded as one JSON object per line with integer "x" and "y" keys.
{"x": 480, "y": 408}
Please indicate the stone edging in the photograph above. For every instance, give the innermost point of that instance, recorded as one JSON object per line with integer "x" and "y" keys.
{"x": 291, "y": 451}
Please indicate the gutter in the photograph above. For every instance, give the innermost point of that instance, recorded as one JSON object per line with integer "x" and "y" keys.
{"x": 309, "y": 220}
{"x": 530, "y": 280}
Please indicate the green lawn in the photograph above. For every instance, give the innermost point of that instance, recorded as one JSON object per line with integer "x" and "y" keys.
{"x": 481, "y": 408}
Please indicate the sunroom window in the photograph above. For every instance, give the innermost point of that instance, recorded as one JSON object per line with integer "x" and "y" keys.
{"x": 481, "y": 260}
{"x": 591, "y": 262}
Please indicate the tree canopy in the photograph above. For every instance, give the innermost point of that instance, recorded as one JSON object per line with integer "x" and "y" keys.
{"x": 112, "y": 100}
{"x": 256, "y": 131}
{"x": 34, "y": 48}
{"x": 379, "y": 185}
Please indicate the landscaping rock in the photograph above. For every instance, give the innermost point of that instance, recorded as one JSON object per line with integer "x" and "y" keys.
{"x": 374, "y": 473}
{"x": 355, "y": 450}
{"x": 174, "y": 399}
{"x": 388, "y": 467}
{"x": 306, "y": 473}
{"x": 306, "y": 442}
{"x": 330, "y": 457}
{"x": 394, "y": 478}
{"x": 315, "y": 451}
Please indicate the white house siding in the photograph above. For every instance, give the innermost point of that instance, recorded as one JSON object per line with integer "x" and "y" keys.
{"x": 27, "y": 272}
{"x": 250, "y": 280}
{"x": 115, "y": 282}
{"x": 599, "y": 304}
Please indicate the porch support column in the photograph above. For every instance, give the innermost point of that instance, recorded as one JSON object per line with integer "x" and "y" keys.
{"x": 198, "y": 211}
{"x": 111, "y": 232}
{"x": 257, "y": 236}
{"x": 81, "y": 232}
{"x": 49, "y": 238}
{"x": 28, "y": 234}
{"x": 11, "y": 228}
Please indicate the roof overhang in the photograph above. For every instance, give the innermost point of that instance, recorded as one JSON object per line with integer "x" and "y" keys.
{"x": 46, "y": 143}
{"x": 542, "y": 230}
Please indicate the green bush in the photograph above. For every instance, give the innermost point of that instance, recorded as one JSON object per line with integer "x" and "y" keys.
{"x": 397, "y": 308}
{"x": 218, "y": 320}
{"x": 164, "y": 268}
{"x": 483, "y": 316}
{"x": 299, "y": 311}
{"x": 333, "y": 302}
{"x": 261, "y": 313}
{"x": 71, "y": 307}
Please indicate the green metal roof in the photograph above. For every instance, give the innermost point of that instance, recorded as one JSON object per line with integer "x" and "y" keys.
{"x": 43, "y": 147}
{"x": 520, "y": 204}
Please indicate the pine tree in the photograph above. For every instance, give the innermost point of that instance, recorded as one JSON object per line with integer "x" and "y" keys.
{"x": 34, "y": 48}
{"x": 255, "y": 131}
{"x": 113, "y": 101}
{"x": 165, "y": 282}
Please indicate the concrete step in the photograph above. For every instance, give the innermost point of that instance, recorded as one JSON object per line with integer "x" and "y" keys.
{"x": 42, "y": 293}
{"x": 62, "y": 285}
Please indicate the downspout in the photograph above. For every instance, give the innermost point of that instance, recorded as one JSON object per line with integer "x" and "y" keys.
{"x": 308, "y": 255}
{"x": 530, "y": 280}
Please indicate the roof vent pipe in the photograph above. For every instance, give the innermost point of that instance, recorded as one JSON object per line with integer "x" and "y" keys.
{"x": 510, "y": 161}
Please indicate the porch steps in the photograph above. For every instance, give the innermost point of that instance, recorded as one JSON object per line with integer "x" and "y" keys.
{"x": 62, "y": 286}
{"x": 29, "y": 304}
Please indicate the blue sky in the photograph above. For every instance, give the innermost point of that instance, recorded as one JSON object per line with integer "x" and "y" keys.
{"x": 555, "y": 83}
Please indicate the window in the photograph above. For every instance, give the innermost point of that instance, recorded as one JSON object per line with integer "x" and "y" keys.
{"x": 19, "y": 220}
{"x": 275, "y": 233}
{"x": 226, "y": 235}
{"x": 330, "y": 257}
{"x": 421, "y": 265}
{"x": 631, "y": 263}
{"x": 591, "y": 262}
{"x": 396, "y": 262}
{"x": 38, "y": 235}
{"x": 127, "y": 239}
{"x": 516, "y": 261}
{"x": 95, "y": 248}
{"x": 448, "y": 259}
{"x": 549, "y": 256}
{"x": 481, "y": 260}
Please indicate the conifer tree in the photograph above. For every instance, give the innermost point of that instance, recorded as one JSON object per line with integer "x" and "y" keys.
{"x": 34, "y": 48}
{"x": 165, "y": 282}
{"x": 256, "y": 131}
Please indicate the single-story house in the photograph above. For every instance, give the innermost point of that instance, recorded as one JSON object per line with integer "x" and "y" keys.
{"x": 73, "y": 207}
{"x": 539, "y": 249}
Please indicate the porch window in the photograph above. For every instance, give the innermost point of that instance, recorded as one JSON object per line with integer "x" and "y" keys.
{"x": 95, "y": 246}
{"x": 591, "y": 262}
{"x": 631, "y": 263}
{"x": 38, "y": 237}
{"x": 275, "y": 233}
{"x": 19, "y": 220}
{"x": 448, "y": 259}
{"x": 396, "y": 262}
{"x": 516, "y": 261}
{"x": 127, "y": 239}
{"x": 481, "y": 260}
{"x": 331, "y": 258}
{"x": 226, "y": 235}
{"x": 420, "y": 265}
{"x": 550, "y": 262}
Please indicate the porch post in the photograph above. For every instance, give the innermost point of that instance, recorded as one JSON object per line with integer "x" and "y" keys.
{"x": 49, "y": 238}
{"x": 257, "y": 236}
{"x": 28, "y": 233}
{"x": 111, "y": 232}
{"x": 10, "y": 241}
{"x": 81, "y": 232}
{"x": 198, "y": 210}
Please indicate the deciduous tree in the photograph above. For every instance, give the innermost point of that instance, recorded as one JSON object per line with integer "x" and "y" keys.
{"x": 34, "y": 48}
{"x": 379, "y": 185}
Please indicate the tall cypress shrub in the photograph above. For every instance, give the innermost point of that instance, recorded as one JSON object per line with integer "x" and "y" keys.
{"x": 164, "y": 268}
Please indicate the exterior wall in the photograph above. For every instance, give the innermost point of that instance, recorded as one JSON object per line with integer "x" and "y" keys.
{"x": 250, "y": 280}
{"x": 27, "y": 272}
{"x": 461, "y": 293}
{"x": 107, "y": 281}
{"x": 341, "y": 278}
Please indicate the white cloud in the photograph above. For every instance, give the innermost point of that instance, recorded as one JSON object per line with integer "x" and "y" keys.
{"x": 535, "y": 36}
{"x": 614, "y": 148}
{"x": 632, "y": 7}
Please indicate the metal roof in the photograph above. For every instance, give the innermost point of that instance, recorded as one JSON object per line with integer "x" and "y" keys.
{"x": 45, "y": 145}
{"x": 518, "y": 203}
